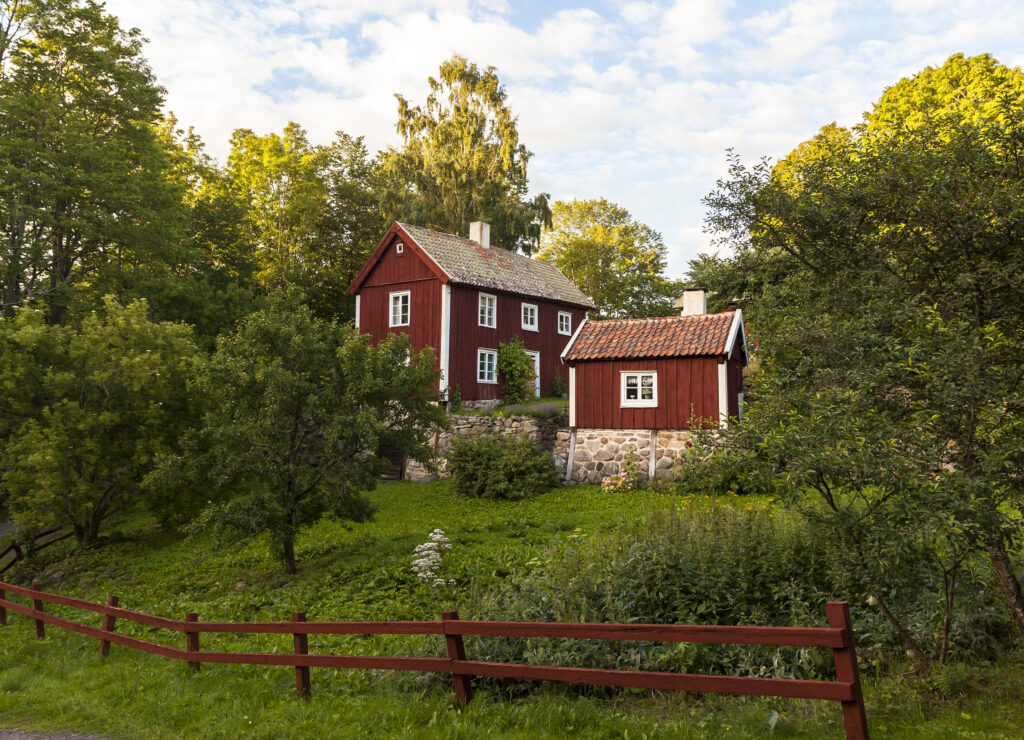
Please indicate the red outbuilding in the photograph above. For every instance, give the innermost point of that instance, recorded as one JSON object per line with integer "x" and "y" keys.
{"x": 659, "y": 373}
{"x": 464, "y": 298}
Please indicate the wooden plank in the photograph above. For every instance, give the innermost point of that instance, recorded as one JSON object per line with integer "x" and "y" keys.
{"x": 192, "y": 642}
{"x": 788, "y": 687}
{"x": 717, "y": 635}
{"x": 132, "y": 642}
{"x": 3, "y": 610}
{"x": 301, "y": 645}
{"x": 37, "y": 605}
{"x": 108, "y": 626}
{"x": 457, "y": 653}
{"x": 855, "y": 719}
{"x": 127, "y": 614}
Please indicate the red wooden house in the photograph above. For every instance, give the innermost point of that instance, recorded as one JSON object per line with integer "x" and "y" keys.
{"x": 659, "y": 373}
{"x": 464, "y": 298}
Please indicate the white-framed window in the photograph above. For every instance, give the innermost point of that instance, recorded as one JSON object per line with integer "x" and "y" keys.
{"x": 487, "y": 366}
{"x": 487, "y": 313}
{"x": 639, "y": 389}
{"x": 399, "y": 308}
{"x": 399, "y": 247}
{"x": 565, "y": 323}
{"x": 530, "y": 316}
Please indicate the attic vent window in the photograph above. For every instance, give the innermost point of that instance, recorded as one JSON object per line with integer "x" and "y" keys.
{"x": 399, "y": 248}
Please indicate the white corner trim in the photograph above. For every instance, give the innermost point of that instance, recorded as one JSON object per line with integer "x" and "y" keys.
{"x": 737, "y": 329}
{"x": 652, "y": 455}
{"x": 357, "y": 312}
{"x": 446, "y": 331}
{"x": 574, "y": 337}
{"x": 572, "y": 396}
{"x": 723, "y": 395}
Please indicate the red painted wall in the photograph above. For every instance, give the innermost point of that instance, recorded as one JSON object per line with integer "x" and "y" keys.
{"x": 397, "y": 272}
{"x": 687, "y": 386}
{"x": 467, "y": 337}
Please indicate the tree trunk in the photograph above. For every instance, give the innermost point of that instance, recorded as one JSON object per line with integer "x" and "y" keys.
{"x": 288, "y": 555}
{"x": 1007, "y": 579}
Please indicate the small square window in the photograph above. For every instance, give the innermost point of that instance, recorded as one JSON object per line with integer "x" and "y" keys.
{"x": 530, "y": 316}
{"x": 639, "y": 390}
{"x": 487, "y": 311}
{"x": 399, "y": 309}
{"x": 565, "y": 323}
{"x": 399, "y": 248}
{"x": 486, "y": 366}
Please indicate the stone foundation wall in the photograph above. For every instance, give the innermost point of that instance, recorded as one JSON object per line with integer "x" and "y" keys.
{"x": 594, "y": 453}
{"x": 550, "y": 434}
{"x": 487, "y": 404}
{"x": 597, "y": 453}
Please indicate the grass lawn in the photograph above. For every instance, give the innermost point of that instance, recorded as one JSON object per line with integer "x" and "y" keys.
{"x": 362, "y": 572}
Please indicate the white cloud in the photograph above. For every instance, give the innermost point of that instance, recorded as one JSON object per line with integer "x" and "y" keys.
{"x": 635, "y": 102}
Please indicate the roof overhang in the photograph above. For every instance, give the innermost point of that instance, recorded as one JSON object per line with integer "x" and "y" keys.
{"x": 737, "y": 332}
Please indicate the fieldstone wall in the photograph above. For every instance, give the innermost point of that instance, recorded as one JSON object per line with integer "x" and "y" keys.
{"x": 551, "y": 434}
{"x": 597, "y": 453}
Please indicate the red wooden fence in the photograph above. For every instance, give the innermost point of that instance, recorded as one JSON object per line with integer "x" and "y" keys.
{"x": 13, "y": 552}
{"x": 838, "y": 636}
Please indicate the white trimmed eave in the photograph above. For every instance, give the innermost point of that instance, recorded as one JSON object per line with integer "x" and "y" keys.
{"x": 737, "y": 329}
{"x": 573, "y": 338}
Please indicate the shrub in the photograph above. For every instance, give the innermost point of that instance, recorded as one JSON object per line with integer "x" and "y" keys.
{"x": 516, "y": 370}
{"x": 500, "y": 467}
{"x": 707, "y": 564}
{"x": 558, "y": 386}
{"x": 537, "y": 410}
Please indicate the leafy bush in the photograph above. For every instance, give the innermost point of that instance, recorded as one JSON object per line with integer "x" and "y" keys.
{"x": 500, "y": 467}
{"x": 706, "y": 564}
{"x": 558, "y": 386}
{"x": 516, "y": 370}
{"x": 537, "y": 410}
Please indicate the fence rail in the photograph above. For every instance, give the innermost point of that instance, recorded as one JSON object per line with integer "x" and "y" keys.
{"x": 14, "y": 552}
{"x": 838, "y": 636}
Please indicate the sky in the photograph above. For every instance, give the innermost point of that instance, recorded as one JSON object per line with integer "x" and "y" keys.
{"x": 632, "y": 101}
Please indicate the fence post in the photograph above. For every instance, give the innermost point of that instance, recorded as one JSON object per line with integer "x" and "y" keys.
{"x": 3, "y": 609}
{"x": 301, "y": 641}
{"x": 855, "y": 718}
{"x": 37, "y": 604}
{"x": 108, "y": 626}
{"x": 192, "y": 641}
{"x": 457, "y": 651}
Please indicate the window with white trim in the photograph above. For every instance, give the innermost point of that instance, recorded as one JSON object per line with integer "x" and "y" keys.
{"x": 486, "y": 366}
{"x": 487, "y": 313}
{"x": 565, "y": 323}
{"x": 399, "y": 308}
{"x": 530, "y": 316}
{"x": 399, "y": 247}
{"x": 639, "y": 389}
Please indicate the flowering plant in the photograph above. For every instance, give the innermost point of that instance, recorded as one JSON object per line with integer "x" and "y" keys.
{"x": 428, "y": 559}
{"x": 618, "y": 482}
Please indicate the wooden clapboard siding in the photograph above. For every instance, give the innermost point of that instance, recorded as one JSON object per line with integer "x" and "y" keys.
{"x": 467, "y": 336}
{"x": 397, "y": 272}
{"x": 687, "y": 387}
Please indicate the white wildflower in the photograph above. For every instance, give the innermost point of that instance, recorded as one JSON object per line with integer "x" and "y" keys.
{"x": 427, "y": 559}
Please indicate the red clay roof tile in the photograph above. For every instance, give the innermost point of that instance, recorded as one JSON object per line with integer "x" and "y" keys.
{"x": 670, "y": 336}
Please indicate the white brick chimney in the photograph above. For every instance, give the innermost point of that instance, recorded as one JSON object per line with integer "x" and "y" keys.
{"x": 693, "y": 303}
{"x": 480, "y": 232}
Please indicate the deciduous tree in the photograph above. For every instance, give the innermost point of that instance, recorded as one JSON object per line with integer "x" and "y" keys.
{"x": 461, "y": 161}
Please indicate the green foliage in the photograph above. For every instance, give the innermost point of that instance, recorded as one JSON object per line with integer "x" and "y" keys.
{"x": 88, "y": 410}
{"x": 299, "y": 407}
{"x": 516, "y": 370}
{"x": 501, "y": 467}
{"x": 461, "y": 161}
{"x": 613, "y": 258}
{"x": 558, "y": 386}
{"x": 883, "y": 268}
{"x": 709, "y": 563}
{"x": 83, "y": 190}
{"x": 309, "y": 212}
